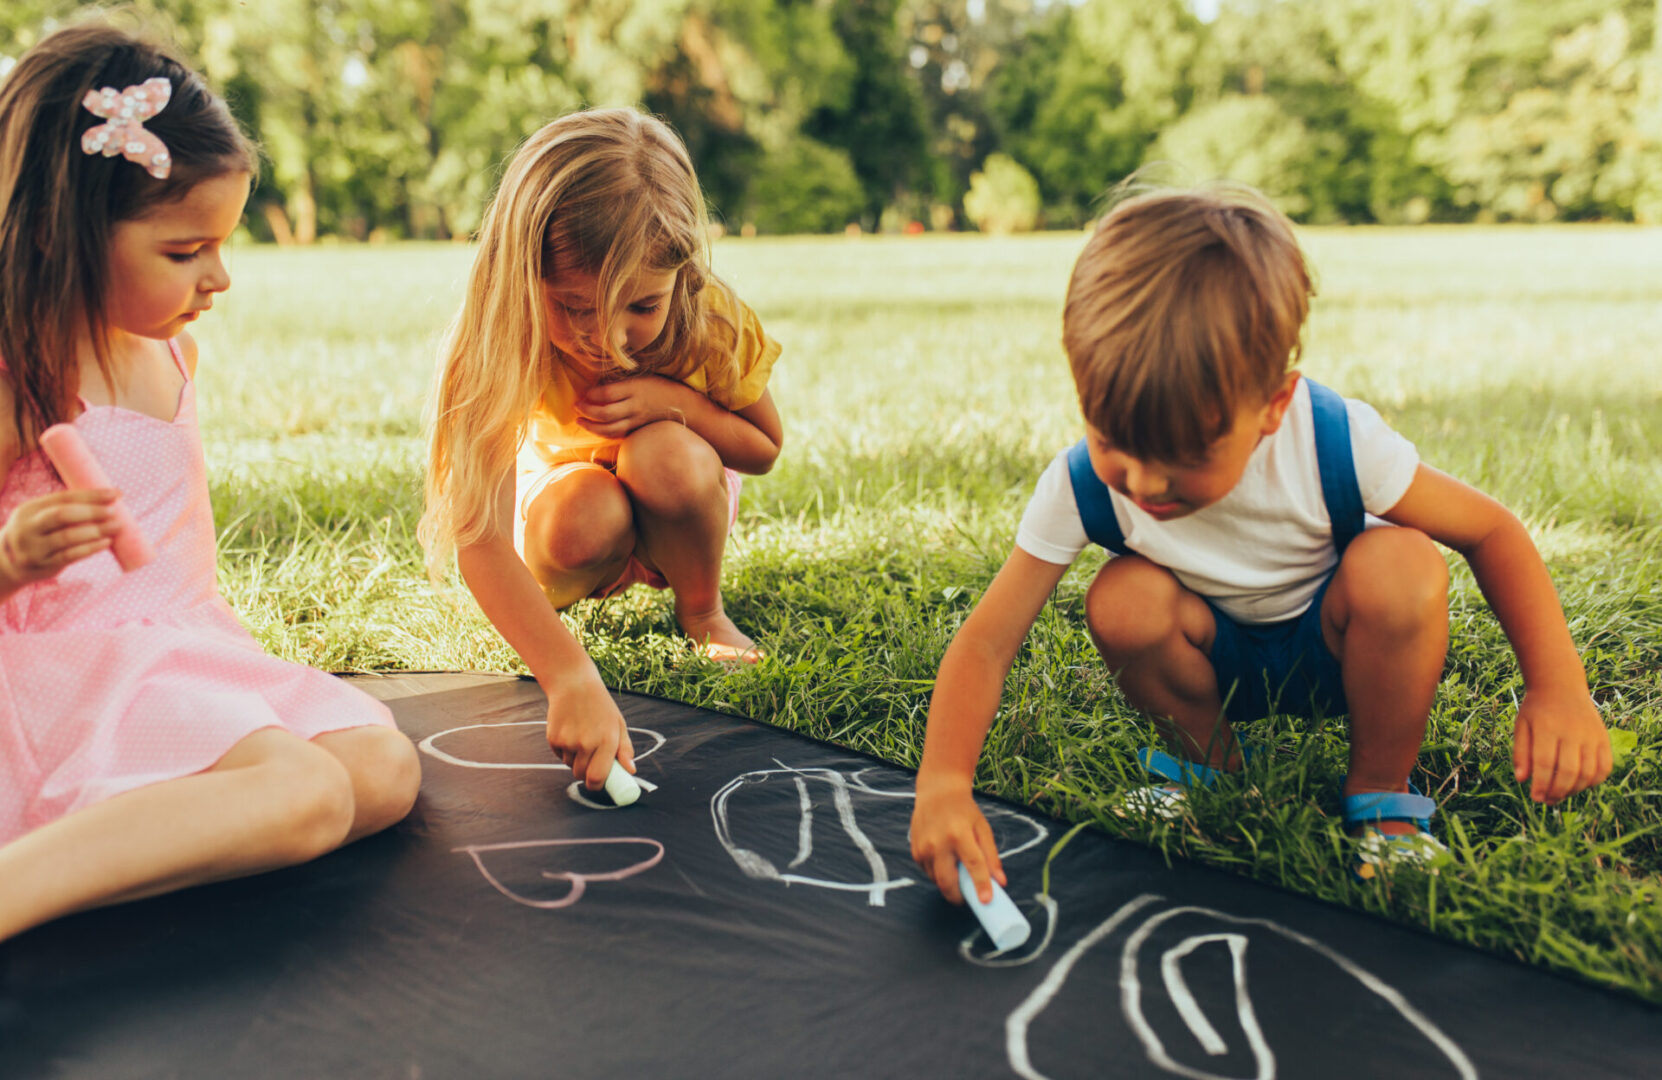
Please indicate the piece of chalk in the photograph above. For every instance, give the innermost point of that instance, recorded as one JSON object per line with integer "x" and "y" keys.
{"x": 80, "y": 471}
{"x": 621, "y": 786}
{"x": 1004, "y": 924}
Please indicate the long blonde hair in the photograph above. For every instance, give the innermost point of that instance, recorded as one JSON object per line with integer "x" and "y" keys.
{"x": 610, "y": 192}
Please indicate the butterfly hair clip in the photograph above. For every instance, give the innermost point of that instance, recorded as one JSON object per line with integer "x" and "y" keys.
{"x": 123, "y": 132}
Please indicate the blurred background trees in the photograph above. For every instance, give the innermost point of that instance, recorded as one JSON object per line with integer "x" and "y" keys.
{"x": 391, "y": 118}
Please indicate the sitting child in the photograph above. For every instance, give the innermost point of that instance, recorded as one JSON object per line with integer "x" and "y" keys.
{"x": 146, "y": 742}
{"x": 1275, "y": 546}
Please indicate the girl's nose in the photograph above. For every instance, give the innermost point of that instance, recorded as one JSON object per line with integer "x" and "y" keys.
{"x": 218, "y": 278}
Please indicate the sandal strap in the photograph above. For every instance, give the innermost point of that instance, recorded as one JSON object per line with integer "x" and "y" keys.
{"x": 1388, "y": 806}
{"x": 1166, "y": 767}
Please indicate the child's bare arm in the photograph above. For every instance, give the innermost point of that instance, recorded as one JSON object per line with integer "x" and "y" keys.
{"x": 1560, "y": 743}
{"x": 947, "y": 826}
{"x": 747, "y": 439}
{"x": 585, "y": 728}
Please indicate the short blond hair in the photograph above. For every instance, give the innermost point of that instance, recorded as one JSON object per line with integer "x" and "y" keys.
{"x": 1184, "y": 305}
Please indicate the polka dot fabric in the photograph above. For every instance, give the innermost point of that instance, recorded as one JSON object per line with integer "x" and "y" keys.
{"x": 110, "y": 681}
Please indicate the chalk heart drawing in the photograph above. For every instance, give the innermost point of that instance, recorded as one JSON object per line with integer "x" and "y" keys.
{"x": 505, "y": 737}
{"x": 1141, "y": 917}
{"x": 813, "y": 786}
{"x": 577, "y": 882}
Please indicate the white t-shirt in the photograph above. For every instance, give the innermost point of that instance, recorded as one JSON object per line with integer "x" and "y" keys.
{"x": 1260, "y": 552}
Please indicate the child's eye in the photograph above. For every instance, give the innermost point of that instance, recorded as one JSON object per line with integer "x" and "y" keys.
{"x": 183, "y": 256}
{"x": 643, "y": 309}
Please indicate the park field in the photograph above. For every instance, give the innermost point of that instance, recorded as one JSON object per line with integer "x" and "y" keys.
{"x": 923, "y": 389}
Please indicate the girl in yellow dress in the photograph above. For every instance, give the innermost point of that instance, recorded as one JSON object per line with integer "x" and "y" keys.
{"x": 597, "y": 397}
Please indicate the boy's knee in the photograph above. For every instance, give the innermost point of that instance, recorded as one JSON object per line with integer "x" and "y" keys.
{"x": 1132, "y": 605}
{"x": 668, "y": 468}
{"x": 1395, "y": 580}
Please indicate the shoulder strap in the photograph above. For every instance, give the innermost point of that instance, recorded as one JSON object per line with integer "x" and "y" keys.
{"x": 178, "y": 357}
{"x": 1096, "y": 507}
{"x": 1338, "y": 468}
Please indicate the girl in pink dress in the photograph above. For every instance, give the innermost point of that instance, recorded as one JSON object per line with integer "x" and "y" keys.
{"x": 146, "y": 741}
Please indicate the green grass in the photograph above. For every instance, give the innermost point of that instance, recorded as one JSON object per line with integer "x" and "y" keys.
{"x": 923, "y": 389}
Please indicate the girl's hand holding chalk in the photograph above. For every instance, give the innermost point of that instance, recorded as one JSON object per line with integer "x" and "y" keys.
{"x": 621, "y": 786}
{"x": 81, "y": 472}
{"x": 586, "y": 732}
{"x": 44, "y": 535}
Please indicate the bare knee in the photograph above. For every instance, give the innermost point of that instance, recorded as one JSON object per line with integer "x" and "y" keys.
{"x": 386, "y": 777}
{"x": 580, "y": 523}
{"x": 1132, "y": 606}
{"x": 669, "y": 469}
{"x": 1393, "y": 581}
{"x": 317, "y": 801}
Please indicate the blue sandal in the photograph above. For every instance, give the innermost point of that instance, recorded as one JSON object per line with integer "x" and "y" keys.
{"x": 1379, "y": 849}
{"x": 1166, "y": 800}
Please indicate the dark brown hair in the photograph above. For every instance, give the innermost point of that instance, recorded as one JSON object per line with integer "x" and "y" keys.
{"x": 1184, "y": 306}
{"x": 59, "y": 206}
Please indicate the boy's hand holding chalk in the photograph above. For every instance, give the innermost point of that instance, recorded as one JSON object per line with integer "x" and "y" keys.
{"x": 1004, "y": 923}
{"x": 81, "y": 472}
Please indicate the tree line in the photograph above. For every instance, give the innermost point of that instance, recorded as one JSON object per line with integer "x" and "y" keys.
{"x": 391, "y": 118}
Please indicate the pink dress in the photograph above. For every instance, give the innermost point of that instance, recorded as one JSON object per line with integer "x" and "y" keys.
{"x": 110, "y": 681}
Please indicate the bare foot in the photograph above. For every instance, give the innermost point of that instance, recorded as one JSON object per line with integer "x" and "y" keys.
{"x": 715, "y": 636}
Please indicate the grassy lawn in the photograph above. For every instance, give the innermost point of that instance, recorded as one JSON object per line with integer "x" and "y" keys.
{"x": 923, "y": 390}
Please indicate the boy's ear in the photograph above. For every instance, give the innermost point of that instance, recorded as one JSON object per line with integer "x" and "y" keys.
{"x": 1275, "y": 409}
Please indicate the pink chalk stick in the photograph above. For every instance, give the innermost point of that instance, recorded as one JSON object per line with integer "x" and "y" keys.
{"x": 80, "y": 471}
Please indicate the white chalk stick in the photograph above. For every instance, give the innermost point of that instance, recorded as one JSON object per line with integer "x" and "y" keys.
{"x": 1005, "y": 925}
{"x": 80, "y": 471}
{"x": 621, "y": 786}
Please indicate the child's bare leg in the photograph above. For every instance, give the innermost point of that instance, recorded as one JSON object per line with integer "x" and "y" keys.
{"x": 385, "y": 773}
{"x": 579, "y": 533}
{"x": 679, "y": 491}
{"x": 1385, "y": 617}
{"x": 1155, "y": 635}
{"x": 273, "y": 800}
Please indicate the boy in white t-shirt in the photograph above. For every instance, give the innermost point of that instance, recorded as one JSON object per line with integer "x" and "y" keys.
{"x": 1242, "y": 503}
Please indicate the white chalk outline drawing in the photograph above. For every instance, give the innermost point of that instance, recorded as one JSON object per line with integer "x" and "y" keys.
{"x": 426, "y": 746}
{"x": 1025, "y": 954}
{"x": 576, "y": 793}
{"x": 579, "y": 882}
{"x": 759, "y": 868}
{"x": 1016, "y": 1025}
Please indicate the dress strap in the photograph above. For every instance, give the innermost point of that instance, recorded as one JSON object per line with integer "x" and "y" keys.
{"x": 178, "y": 357}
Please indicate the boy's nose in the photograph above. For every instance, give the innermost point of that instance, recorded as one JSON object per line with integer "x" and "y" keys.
{"x": 1142, "y": 482}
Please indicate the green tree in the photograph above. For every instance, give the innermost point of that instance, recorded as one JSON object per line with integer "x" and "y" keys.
{"x": 1003, "y": 197}
{"x": 1089, "y": 90}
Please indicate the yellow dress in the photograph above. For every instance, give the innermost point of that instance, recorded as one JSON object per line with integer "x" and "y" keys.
{"x": 555, "y": 445}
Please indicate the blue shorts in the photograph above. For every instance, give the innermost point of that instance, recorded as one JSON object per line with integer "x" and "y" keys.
{"x": 1281, "y": 667}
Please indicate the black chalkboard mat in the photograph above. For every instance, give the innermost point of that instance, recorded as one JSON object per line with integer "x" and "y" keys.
{"x": 756, "y": 915}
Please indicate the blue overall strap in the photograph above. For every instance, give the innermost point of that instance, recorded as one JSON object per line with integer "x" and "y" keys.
{"x": 1338, "y": 468}
{"x": 1096, "y": 508}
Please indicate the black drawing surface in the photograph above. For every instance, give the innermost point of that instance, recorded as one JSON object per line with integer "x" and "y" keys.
{"x": 756, "y": 914}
